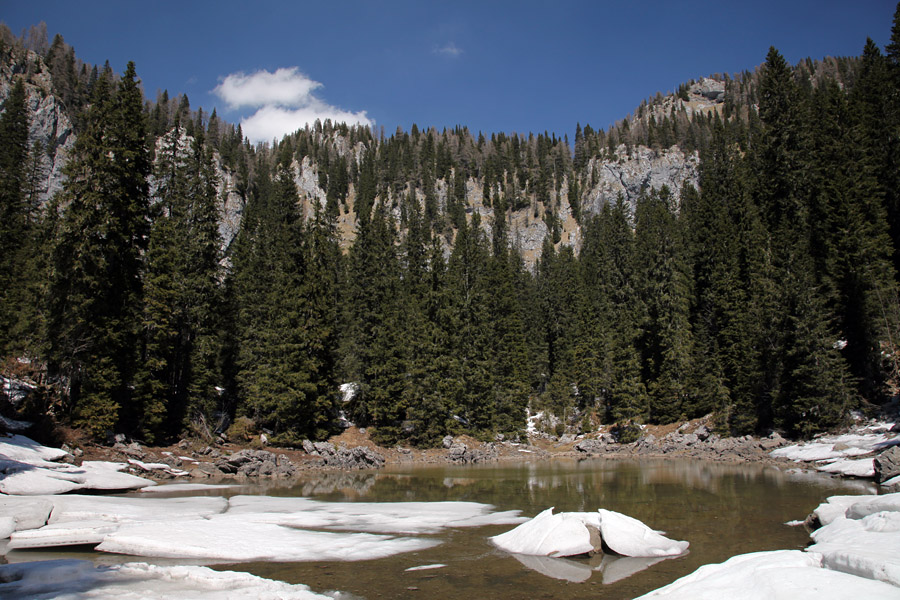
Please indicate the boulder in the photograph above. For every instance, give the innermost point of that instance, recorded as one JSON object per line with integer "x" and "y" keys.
{"x": 589, "y": 446}
{"x": 702, "y": 433}
{"x": 887, "y": 464}
{"x": 461, "y": 453}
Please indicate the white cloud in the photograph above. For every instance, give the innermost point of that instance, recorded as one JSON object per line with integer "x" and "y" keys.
{"x": 285, "y": 103}
{"x": 451, "y": 50}
{"x": 273, "y": 122}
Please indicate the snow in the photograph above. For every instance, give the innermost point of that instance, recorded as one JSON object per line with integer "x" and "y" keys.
{"x": 570, "y": 534}
{"x": 90, "y": 519}
{"x": 29, "y": 470}
{"x": 532, "y": 421}
{"x": 563, "y": 534}
{"x": 157, "y": 467}
{"x": 79, "y": 579}
{"x": 22, "y": 449}
{"x": 629, "y": 537}
{"x": 348, "y": 391}
{"x": 847, "y": 445}
{"x": 868, "y": 547}
{"x": 188, "y": 487}
{"x": 774, "y": 575}
{"x": 232, "y": 538}
{"x": 373, "y": 517}
{"x": 244, "y": 528}
{"x": 848, "y": 467}
{"x": 427, "y": 567}
{"x": 28, "y": 513}
{"x": 836, "y": 506}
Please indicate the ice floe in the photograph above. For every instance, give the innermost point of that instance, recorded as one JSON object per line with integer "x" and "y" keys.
{"x": 80, "y": 579}
{"x": 427, "y": 567}
{"x": 233, "y": 538}
{"x": 574, "y": 533}
{"x": 775, "y": 575}
{"x": 242, "y": 528}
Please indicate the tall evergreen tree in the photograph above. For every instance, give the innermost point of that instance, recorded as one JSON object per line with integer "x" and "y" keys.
{"x": 95, "y": 293}
{"x": 179, "y": 375}
{"x": 16, "y": 220}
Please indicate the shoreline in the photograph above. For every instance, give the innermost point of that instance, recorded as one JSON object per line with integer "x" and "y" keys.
{"x": 354, "y": 451}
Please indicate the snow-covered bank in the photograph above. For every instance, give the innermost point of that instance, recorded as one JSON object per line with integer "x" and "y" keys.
{"x": 28, "y": 468}
{"x": 856, "y": 554}
{"x": 851, "y": 454}
{"x": 80, "y": 579}
{"x": 776, "y": 575}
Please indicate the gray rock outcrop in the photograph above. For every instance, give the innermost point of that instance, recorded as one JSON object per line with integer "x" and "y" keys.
{"x": 887, "y": 464}
{"x": 643, "y": 170}
{"x": 256, "y": 463}
{"x": 359, "y": 457}
{"x": 460, "y": 453}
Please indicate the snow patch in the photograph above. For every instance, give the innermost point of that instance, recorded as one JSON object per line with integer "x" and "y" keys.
{"x": 80, "y": 579}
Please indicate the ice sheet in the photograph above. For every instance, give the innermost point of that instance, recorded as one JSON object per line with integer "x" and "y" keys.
{"x": 372, "y": 517}
{"x": 80, "y": 580}
{"x": 868, "y": 547}
{"x": 864, "y": 467}
{"x": 776, "y": 575}
{"x": 237, "y": 538}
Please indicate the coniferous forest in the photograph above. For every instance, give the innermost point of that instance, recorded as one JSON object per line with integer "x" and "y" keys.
{"x": 767, "y": 295}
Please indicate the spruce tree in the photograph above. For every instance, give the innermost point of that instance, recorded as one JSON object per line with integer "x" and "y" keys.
{"x": 95, "y": 290}
{"x": 179, "y": 375}
{"x": 16, "y": 219}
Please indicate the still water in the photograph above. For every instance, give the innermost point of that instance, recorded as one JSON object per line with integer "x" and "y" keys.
{"x": 721, "y": 509}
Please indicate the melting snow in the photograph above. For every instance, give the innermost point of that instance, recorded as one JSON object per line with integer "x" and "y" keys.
{"x": 776, "y": 575}
{"x": 29, "y": 470}
{"x": 80, "y": 579}
{"x": 570, "y": 534}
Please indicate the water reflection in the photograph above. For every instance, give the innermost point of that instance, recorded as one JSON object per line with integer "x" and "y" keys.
{"x": 721, "y": 509}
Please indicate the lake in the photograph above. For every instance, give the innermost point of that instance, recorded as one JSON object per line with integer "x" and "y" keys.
{"x": 721, "y": 509}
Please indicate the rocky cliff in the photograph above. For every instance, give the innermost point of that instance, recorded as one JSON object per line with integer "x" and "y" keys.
{"x": 628, "y": 172}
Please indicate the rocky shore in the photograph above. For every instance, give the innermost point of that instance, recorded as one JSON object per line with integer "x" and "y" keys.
{"x": 869, "y": 450}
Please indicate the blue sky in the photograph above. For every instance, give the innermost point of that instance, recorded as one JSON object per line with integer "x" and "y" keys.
{"x": 522, "y": 66}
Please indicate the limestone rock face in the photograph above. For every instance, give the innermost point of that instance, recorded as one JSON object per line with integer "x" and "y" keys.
{"x": 49, "y": 125}
{"x": 643, "y": 170}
